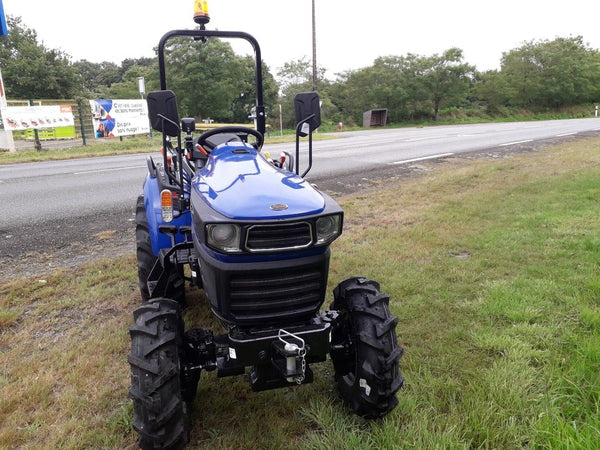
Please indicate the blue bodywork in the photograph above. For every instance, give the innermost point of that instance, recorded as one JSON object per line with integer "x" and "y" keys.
{"x": 239, "y": 183}
{"x": 153, "y": 214}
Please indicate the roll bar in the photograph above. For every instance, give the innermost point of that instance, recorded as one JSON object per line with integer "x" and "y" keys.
{"x": 203, "y": 34}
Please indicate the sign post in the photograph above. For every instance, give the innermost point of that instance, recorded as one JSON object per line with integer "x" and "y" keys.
{"x": 6, "y": 137}
{"x": 141, "y": 86}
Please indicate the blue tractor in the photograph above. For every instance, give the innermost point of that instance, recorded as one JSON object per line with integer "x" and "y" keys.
{"x": 255, "y": 236}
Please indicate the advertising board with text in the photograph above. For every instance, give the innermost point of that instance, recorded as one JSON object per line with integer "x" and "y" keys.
{"x": 113, "y": 118}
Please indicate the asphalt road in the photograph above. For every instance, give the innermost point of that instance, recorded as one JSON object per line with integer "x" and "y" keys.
{"x": 76, "y": 208}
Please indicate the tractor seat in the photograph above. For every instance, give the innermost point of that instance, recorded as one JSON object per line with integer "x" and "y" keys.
{"x": 219, "y": 139}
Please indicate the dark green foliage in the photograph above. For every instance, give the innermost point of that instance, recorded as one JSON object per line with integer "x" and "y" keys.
{"x": 211, "y": 81}
{"x": 447, "y": 79}
{"x": 108, "y": 80}
{"x": 410, "y": 87}
{"x": 294, "y": 77}
{"x": 95, "y": 78}
{"x": 24, "y": 62}
{"x": 553, "y": 74}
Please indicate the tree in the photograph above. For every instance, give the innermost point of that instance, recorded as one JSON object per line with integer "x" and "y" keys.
{"x": 416, "y": 99}
{"x": 30, "y": 70}
{"x": 552, "y": 74}
{"x": 298, "y": 73}
{"x": 492, "y": 88}
{"x": 294, "y": 77}
{"x": 128, "y": 86}
{"x": 96, "y": 78}
{"x": 127, "y": 63}
{"x": 243, "y": 104}
{"x": 211, "y": 81}
{"x": 408, "y": 86}
{"x": 447, "y": 79}
{"x": 372, "y": 87}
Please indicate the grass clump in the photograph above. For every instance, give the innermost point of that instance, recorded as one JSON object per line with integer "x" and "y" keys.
{"x": 492, "y": 269}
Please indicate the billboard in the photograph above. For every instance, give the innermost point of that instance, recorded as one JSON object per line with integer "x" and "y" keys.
{"x": 114, "y": 118}
{"x": 37, "y": 117}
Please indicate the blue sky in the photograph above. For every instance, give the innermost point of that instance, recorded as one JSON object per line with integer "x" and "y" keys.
{"x": 350, "y": 33}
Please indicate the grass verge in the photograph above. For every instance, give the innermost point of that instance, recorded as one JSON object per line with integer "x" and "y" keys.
{"x": 492, "y": 268}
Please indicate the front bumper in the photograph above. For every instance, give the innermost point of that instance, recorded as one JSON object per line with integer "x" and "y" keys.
{"x": 275, "y": 364}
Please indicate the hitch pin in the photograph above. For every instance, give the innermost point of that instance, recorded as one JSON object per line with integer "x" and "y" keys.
{"x": 292, "y": 347}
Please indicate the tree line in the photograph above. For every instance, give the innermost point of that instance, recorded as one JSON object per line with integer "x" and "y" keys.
{"x": 211, "y": 81}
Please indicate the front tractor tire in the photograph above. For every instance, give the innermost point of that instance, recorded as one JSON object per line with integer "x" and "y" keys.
{"x": 146, "y": 258}
{"x": 364, "y": 349}
{"x": 160, "y": 413}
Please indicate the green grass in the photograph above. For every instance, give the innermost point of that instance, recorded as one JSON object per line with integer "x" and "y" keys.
{"x": 492, "y": 268}
{"x": 134, "y": 144}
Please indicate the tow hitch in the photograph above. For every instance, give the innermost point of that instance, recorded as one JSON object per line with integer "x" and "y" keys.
{"x": 289, "y": 357}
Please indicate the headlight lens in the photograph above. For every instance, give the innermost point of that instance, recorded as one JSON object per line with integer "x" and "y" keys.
{"x": 223, "y": 236}
{"x": 328, "y": 229}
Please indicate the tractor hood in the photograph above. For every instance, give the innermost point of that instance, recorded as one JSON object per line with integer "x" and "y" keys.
{"x": 239, "y": 183}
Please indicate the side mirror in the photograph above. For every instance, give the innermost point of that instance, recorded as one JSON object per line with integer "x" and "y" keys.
{"x": 308, "y": 104}
{"x": 188, "y": 125}
{"x": 162, "y": 110}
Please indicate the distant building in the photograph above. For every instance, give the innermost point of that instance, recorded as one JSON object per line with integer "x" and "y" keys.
{"x": 375, "y": 118}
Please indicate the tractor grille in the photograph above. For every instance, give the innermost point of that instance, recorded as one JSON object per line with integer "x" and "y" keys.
{"x": 277, "y": 237}
{"x": 276, "y": 296}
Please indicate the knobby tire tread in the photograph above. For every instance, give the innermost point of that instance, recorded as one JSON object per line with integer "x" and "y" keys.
{"x": 160, "y": 415}
{"x": 367, "y": 372}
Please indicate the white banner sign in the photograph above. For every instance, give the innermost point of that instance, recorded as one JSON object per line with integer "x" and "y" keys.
{"x": 119, "y": 117}
{"x": 37, "y": 117}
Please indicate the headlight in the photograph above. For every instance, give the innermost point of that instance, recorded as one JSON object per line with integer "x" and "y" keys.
{"x": 223, "y": 236}
{"x": 328, "y": 229}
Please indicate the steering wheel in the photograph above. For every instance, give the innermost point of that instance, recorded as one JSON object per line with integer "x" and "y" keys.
{"x": 237, "y": 130}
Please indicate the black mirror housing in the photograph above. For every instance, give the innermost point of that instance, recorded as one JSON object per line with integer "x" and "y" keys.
{"x": 163, "y": 113}
{"x": 188, "y": 125}
{"x": 307, "y": 104}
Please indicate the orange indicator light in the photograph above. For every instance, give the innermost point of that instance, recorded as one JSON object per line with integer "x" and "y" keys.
{"x": 166, "y": 205}
{"x": 201, "y": 15}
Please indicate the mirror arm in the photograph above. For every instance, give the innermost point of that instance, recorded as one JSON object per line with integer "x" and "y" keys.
{"x": 164, "y": 142}
{"x": 179, "y": 157}
{"x": 298, "y": 127}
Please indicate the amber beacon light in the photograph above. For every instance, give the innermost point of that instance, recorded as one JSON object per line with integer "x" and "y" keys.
{"x": 201, "y": 16}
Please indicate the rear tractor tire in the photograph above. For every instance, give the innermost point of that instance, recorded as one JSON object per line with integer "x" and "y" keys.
{"x": 365, "y": 352}
{"x": 160, "y": 413}
{"x": 146, "y": 258}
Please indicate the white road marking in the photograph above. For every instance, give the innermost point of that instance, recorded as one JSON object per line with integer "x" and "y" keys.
{"x": 417, "y": 139}
{"x": 440, "y": 155}
{"x": 566, "y": 134}
{"x": 106, "y": 170}
{"x": 516, "y": 142}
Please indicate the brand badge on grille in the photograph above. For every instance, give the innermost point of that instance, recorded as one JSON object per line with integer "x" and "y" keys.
{"x": 279, "y": 207}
